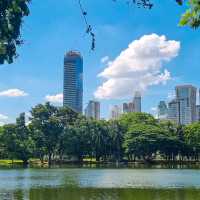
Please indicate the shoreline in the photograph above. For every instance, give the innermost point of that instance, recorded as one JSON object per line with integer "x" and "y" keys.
{"x": 158, "y": 163}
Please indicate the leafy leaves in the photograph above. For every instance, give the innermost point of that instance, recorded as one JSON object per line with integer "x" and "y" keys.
{"x": 192, "y": 16}
{"x": 12, "y": 13}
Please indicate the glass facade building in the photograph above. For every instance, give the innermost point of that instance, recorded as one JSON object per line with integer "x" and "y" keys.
{"x": 73, "y": 81}
{"x": 186, "y": 98}
{"x": 182, "y": 109}
{"x": 93, "y": 110}
{"x": 137, "y": 102}
{"x": 162, "y": 110}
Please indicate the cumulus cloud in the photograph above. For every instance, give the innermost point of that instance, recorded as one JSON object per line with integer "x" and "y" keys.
{"x": 3, "y": 119}
{"x": 138, "y": 67}
{"x": 105, "y": 59}
{"x": 13, "y": 93}
{"x": 58, "y": 98}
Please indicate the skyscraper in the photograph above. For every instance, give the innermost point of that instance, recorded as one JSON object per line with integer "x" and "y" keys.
{"x": 162, "y": 110}
{"x": 73, "y": 81}
{"x": 137, "y": 102}
{"x": 135, "y": 105}
{"x": 128, "y": 107}
{"x": 173, "y": 111}
{"x": 183, "y": 108}
{"x": 186, "y": 99}
{"x": 198, "y": 113}
{"x": 116, "y": 112}
{"x": 93, "y": 110}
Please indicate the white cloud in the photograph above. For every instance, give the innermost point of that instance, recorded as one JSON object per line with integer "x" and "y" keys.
{"x": 138, "y": 67}
{"x": 105, "y": 59}
{"x": 154, "y": 109}
{"x": 58, "y": 98}
{"x": 3, "y": 117}
{"x": 13, "y": 93}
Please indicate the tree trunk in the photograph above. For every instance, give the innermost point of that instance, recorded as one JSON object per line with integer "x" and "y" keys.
{"x": 97, "y": 158}
{"x": 50, "y": 159}
{"x": 25, "y": 163}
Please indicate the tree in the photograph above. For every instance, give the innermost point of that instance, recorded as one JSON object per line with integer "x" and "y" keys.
{"x": 142, "y": 141}
{"x": 130, "y": 119}
{"x": 67, "y": 119}
{"x": 169, "y": 147}
{"x": 12, "y": 13}
{"x": 192, "y": 137}
{"x": 24, "y": 142}
{"x": 100, "y": 138}
{"x": 18, "y": 141}
{"x": 77, "y": 139}
{"x": 3, "y": 153}
{"x": 169, "y": 127}
{"x": 9, "y": 138}
{"x": 116, "y": 133}
{"x": 192, "y": 16}
{"x": 46, "y": 128}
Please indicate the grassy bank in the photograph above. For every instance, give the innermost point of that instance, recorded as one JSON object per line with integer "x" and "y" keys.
{"x": 10, "y": 162}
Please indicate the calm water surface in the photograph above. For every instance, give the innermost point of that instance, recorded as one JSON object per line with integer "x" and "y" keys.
{"x": 99, "y": 184}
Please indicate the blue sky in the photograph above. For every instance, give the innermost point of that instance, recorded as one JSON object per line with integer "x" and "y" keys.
{"x": 54, "y": 28}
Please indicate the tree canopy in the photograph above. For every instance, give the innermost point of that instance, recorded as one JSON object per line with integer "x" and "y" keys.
{"x": 57, "y": 134}
{"x": 12, "y": 13}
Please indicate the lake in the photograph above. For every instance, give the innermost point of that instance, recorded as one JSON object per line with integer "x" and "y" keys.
{"x": 99, "y": 184}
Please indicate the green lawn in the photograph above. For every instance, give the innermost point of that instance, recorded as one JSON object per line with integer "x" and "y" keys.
{"x": 10, "y": 162}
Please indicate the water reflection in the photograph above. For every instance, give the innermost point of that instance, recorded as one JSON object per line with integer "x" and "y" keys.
{"x": 103, "y": 194}
{"x": 99, "y": 184}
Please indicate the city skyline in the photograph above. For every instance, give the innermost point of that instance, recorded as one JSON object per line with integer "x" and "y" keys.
{"x": 36, "y": 75}
{"x": 183, "y": 108}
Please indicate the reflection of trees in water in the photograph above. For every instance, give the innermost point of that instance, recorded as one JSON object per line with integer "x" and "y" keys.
{"x": 68, "y": 193}
{"x": 112, "y": 194}
{"x": 14, "y": 195}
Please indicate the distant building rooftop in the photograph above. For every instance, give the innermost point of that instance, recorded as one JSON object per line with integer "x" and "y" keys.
{"x": 186, "y": 85}
{"x": 73, "y": 53}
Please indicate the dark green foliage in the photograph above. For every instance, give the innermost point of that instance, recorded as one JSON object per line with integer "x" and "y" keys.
{"x": 17, "y": 140}
{"x": 12, "y": 13}
{"x": 142, "y": 140}
{"x": 57, "y": 134}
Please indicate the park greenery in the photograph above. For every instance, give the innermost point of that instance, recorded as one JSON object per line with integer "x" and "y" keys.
{"x": 59, "y": 135}
{"x": 12, "y": 13}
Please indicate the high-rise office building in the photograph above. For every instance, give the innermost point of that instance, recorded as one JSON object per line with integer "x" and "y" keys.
{"x": 137, "y": 102}
{"x": 198, "y": 113}
{"x": 186, "y": 100}
{"x": 183, "y": 108}
{"x": 162, "y": 110}
{"x": 173, "y": 111}
{"x": 93, "y": 110}
{"x": 134, "y": 106}
{"x": 73, "y": 81}
{"x": 115, "y": 112}
{"x": 198, "y": 108}
{"x": 128, "y": 107}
